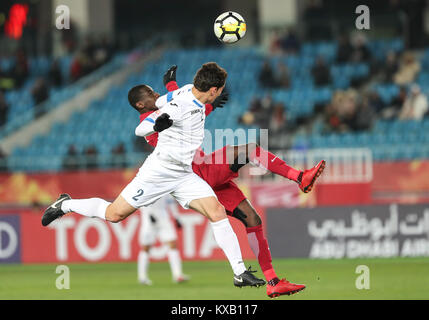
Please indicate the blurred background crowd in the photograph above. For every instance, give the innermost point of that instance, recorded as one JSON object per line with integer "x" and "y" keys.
{"x": 309, "y": 77}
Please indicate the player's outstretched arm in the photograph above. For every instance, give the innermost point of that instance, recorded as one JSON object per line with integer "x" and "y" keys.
{"x": 153, "y": 124}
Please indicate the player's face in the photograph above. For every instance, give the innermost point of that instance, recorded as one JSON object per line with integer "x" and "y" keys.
{"x": 147, "y": 102}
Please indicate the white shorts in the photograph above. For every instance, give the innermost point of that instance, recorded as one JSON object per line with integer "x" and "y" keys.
{"x": 160, "y": 226}
{"x": 154, "y": 180}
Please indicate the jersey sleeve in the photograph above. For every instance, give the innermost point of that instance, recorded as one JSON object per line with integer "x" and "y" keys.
{"x": 166, "y": 98}
{"x": 171, "y": 86}
{"x": 145, "y": 127}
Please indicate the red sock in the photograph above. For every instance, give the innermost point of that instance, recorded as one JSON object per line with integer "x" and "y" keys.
{"x": 259, "y": 245}
{"x": 273, "y": 163}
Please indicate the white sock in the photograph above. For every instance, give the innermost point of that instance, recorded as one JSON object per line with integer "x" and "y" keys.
{"x": 175, "y": 262}
{"x": 94, "y": 207}
{"x": 228, "y": 242}
{"x": 142, "y": 265}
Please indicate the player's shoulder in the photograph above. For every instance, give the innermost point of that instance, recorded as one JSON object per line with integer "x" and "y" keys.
{"x": 177, "y": 94}
{"x": 183, "y": 92}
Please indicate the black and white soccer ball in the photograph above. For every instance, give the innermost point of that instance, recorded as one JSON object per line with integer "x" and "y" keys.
{"x": 229, "y": 27}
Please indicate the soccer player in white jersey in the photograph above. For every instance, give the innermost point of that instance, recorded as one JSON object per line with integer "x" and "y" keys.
{"x": 156, "y": 224}
{"x": 168, "y": 170}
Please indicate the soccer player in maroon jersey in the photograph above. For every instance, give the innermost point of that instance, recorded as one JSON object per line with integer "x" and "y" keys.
{"x": 220, "y": 177}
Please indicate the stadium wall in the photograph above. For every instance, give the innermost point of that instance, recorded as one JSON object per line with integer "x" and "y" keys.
{"x": 74, "y": 238}
{"x": 355, "y": 217}
{"x": 380, "y": 231}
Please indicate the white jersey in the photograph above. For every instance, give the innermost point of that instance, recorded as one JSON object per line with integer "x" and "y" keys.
{"x": 177, "y": 145}
{"x": 168, "y": 169}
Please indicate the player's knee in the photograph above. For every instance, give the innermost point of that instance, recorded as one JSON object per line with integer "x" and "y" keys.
{"x": 218, "y": 213}
{"x": 114, "y": 216}
{"x": 254, "y": 220}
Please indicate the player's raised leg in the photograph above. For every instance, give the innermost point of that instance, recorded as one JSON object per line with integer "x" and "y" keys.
{"x": 226, "y": 239}
{"x": 240, "y": 155}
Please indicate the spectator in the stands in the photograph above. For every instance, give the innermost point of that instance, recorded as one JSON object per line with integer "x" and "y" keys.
{"x": 7, "y": 82}
{"x": 408, "y": 69}
{"x": 415, "y": 106}
{"x": 119, "y": 159}
{"x": 71, "y": 159}
{"x": 20, "y": 70}
{"x": 4, "y": 109}
{"x": 91, "y": 157}
{"x": 340, "y": 113}
{"x": 347, "y": 111}
{"x": 81, "y": 65}
{"x": 266, "y": 109}
{"x": 3, "y": 163}
{"x": 259, "y": 112}
{"x": 55, "y": 75}
{"x": 275, "y": 48}
{"x": 375, "y": 102}
{"x": 364, "y": 115}
{"x": 278, "y": 118}
{"x": 266, "y": 76}
{"x": 395, "y": 106}
{"x": 76, "y": 67}
{"x": 345, "y": 49}
{"x": 315, "y": 17}
{"x": 40, "y": 93}
{"x": 321, "y": 73}
{"x": 390, "y": 67}
{"x": 283, "y": 78}
{"x": 360, "y": 52}
{"x": 69, "y": 37}
{"x": 289, "y": 43}
{"x": 102, "y": 53}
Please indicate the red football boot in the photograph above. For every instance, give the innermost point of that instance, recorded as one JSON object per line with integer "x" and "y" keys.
{"x": 309, "y": 176}
{"x": 283, "y": 287}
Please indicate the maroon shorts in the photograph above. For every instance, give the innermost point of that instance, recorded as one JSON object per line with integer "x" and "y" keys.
{"x": 219, "y": 176}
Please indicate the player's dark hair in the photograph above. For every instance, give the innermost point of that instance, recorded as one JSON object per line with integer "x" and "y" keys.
{"x": 208, "y": 76}
{"x": 136, "y": 94}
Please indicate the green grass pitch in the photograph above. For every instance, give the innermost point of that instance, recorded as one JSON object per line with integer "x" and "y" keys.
{"x": 406, "y": 278}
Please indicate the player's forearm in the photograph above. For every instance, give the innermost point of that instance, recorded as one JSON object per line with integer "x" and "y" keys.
{"x": 145, "y": 128}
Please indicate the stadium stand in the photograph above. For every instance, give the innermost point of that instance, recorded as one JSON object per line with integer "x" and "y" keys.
{"x": 110, "y": 122}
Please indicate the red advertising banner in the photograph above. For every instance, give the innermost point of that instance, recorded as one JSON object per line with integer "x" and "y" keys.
{"x": 74, "y": 238}
{"x": 44, "y": 188}
{"x": 401, "y": 182}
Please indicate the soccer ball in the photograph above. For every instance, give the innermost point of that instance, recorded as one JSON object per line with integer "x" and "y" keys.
{"x": 229, "y": 27}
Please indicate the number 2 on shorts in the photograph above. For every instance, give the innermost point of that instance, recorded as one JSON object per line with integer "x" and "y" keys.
{"x": 139, "y": 194}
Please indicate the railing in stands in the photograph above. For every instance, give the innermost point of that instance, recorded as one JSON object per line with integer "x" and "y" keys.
{"x": 350, "y": 165}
